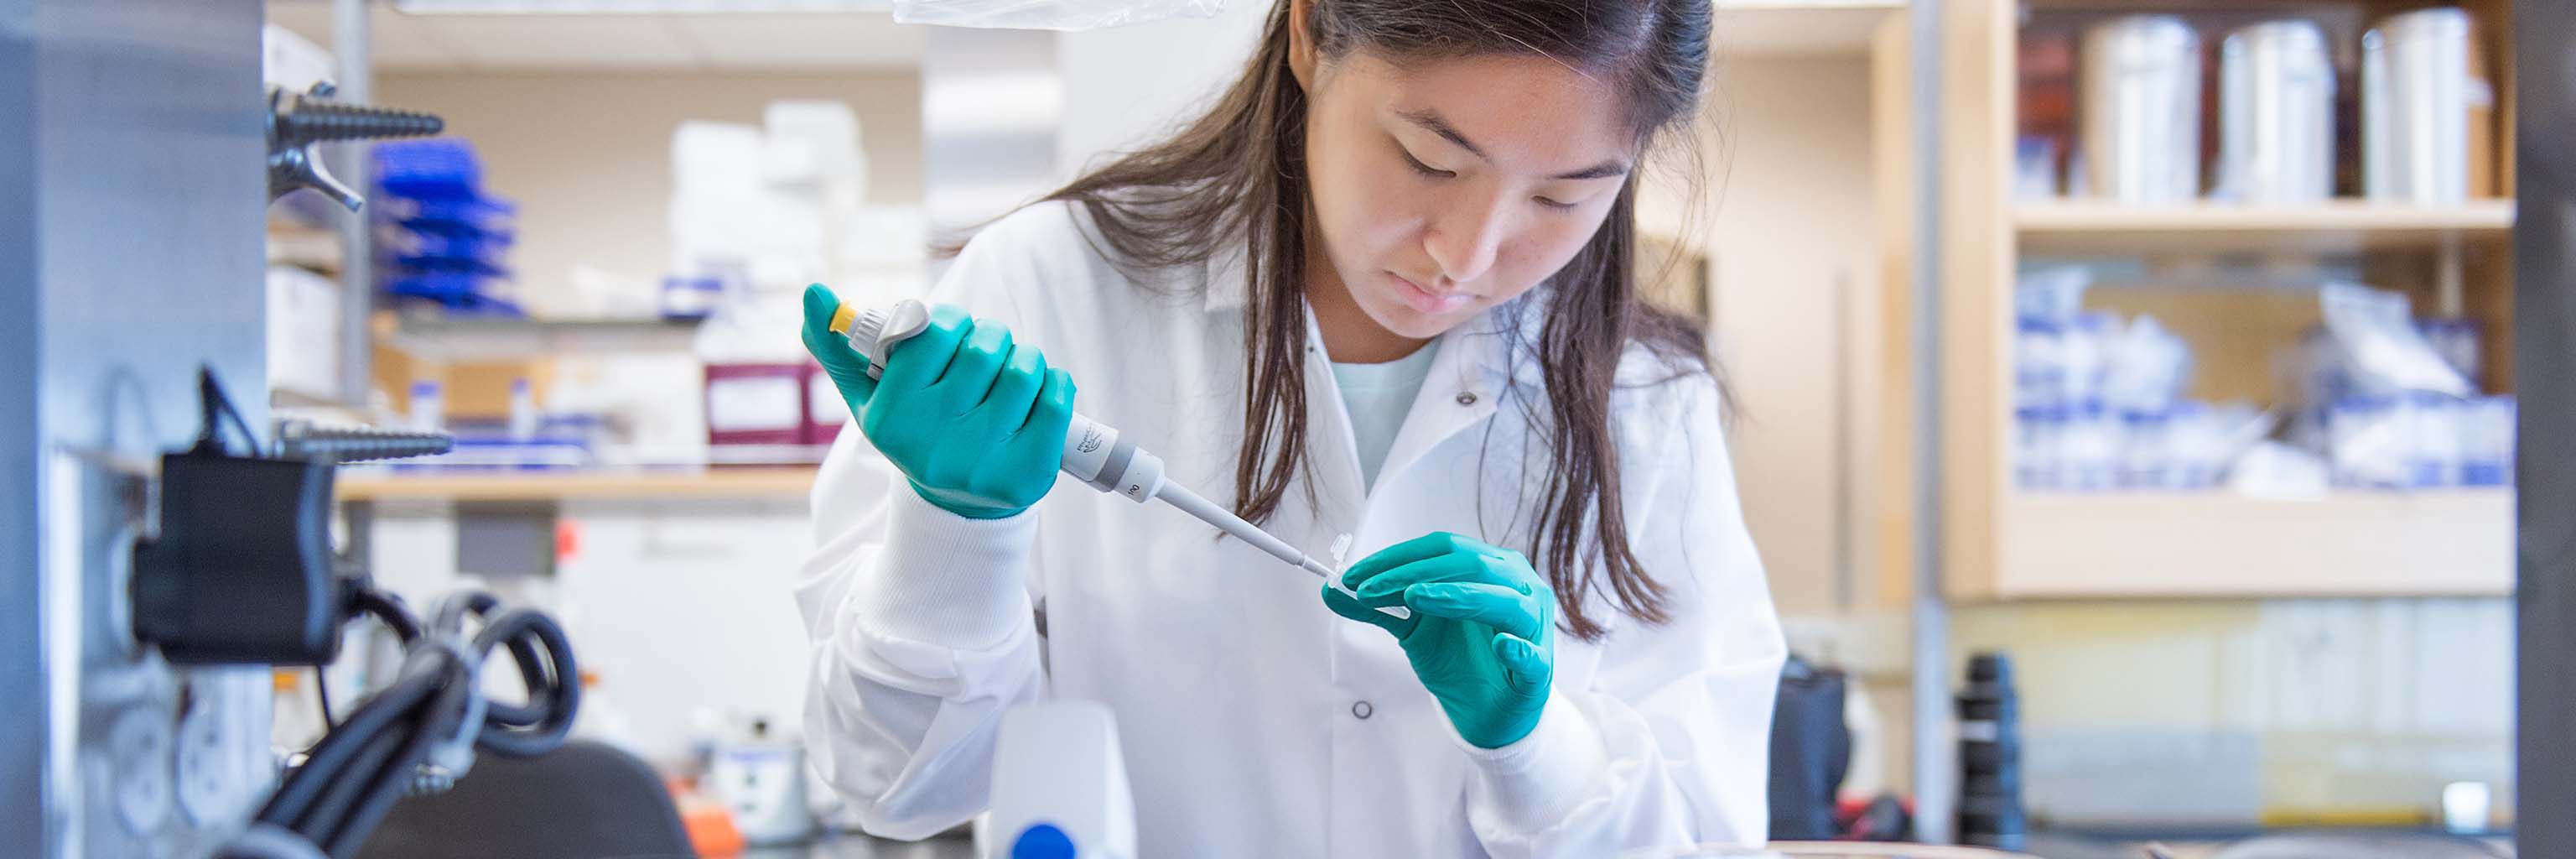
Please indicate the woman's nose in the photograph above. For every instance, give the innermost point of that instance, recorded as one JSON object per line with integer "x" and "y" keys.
{"x": 1465, "y": 244}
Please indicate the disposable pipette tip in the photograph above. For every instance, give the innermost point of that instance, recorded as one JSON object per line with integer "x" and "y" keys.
{"x": 842, "y": 317}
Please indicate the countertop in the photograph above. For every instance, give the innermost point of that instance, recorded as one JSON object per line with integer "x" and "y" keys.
{"x": 853, "y": 845}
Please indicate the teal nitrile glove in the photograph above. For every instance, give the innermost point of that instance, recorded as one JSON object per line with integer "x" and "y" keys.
{"x": 1482, "y": 634}
{"x": 975, "y": 423}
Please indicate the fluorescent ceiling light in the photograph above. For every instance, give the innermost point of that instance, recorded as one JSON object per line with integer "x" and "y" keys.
{"x": 634, "y": 7}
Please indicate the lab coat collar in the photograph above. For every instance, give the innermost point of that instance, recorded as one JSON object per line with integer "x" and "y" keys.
{"x": 1470, "y": 375}
{"x": 1504, "y": 339}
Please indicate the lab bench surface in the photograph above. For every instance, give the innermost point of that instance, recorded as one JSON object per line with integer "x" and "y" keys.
{"x": 853, "y": 845}
{"x": 2052, "y": 845}
{"x": 782, "y": 482}
{"x": 2189, "y": 845}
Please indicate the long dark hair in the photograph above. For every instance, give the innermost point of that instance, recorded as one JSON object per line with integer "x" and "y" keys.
{"x": 1237, "y": 176}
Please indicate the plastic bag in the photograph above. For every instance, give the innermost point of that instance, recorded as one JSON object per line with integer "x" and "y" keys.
{"x": 2145, "y": 367}
{"x": 2046, "y": 304}
{"x": 2084, "y": 357}
{"x": 2203, "y": 439}
{"x": 1049, "y": 14}
{"x": 2369, "y": 442}
{"x": 2052, "y": 295}
{"x": 2388, "y": 354}
{"x": 2274, "y": 470}
{"x": 2486, "y": 442}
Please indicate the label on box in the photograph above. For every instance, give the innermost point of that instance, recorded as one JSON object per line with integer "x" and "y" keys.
{"x": 754, "y": 404}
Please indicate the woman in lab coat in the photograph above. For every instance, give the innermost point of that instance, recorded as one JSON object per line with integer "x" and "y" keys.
{"x": 1383, "y": 288}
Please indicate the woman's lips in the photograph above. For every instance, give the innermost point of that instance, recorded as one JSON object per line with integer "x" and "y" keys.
{"x": 1424, "y": 301}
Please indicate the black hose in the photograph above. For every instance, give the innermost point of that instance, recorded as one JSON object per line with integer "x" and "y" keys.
{"x": 453, "y": 610}
{"x": 389, "y": 611}
{"x": 384, "y": 755}
{"x": 534, "y": 675}
{"x": 322, "y": 696}
{"x": 364, "y": 765}
{"x": 351, "y": 830}
{"x": 554, "y": 687}
{"x": 340, "y": 793}
{"x": 330, "y": 756}
{"x": 216, "y": 409}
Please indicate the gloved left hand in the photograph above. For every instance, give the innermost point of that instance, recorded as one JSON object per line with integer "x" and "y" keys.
{"x": 1482, "y": 634}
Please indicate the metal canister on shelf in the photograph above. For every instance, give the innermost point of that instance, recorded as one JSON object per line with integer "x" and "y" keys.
{"x": 2415, "y": 110}
{"x": 2140, "y": 78}
{"x": 2276, "y": 120}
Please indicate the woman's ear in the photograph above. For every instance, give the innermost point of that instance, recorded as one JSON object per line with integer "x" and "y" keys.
{"x": 1301, "y": 45}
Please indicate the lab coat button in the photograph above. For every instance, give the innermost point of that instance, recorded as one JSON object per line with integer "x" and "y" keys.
{"x": 1466, "y": 398}
{"x": 1362, "y": 709}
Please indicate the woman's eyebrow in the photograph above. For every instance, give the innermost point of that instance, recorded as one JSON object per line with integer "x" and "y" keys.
{"x": 1430, "y": 121}
{"x": 1603, "y": 170}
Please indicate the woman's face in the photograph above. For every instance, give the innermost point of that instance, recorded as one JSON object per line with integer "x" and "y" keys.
{"x": 1444, "y": 187}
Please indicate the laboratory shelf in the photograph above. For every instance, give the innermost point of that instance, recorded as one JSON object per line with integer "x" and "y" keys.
{"x": 313, "y": 248}
{"x": 639, "y": 484}
{"x": 2341, "y": 226}
{"x": 2455, "y": 542}
{"x": 487, "y": 338}
{"x": 1799, "y": 27}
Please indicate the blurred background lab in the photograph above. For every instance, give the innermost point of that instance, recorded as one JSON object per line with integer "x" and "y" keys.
{"x": 2129, "y": 395}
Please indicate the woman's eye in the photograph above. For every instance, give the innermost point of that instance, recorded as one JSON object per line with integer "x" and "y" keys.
{"x": 1424, "y": 169}
{"x": 1552, "y": 204}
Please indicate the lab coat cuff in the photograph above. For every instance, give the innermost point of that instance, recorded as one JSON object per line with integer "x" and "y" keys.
{"x": 946, "y": 579}
{"x": 1531, "y": 784}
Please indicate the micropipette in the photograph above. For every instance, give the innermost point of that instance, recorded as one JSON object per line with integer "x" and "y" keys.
{"x": 1093, "y": 451}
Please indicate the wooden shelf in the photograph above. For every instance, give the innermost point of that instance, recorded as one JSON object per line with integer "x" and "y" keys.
{"x": 2449, "y": 542}
{"x": 313, "y": 248}
{"x": 746, "y": 482}
{"x": 1772, "y": 28}
{"x": 2342, "y": 226}
{"x": 472, "y": 338}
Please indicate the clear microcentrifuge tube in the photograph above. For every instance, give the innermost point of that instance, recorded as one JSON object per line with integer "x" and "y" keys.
{"x": 1341, "y": 546}
{"x": 1341, "y": 549}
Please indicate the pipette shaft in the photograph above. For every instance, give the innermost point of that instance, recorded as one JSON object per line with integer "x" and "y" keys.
{"x": 1180, "y": 496}
{"x": 1093, "y": 451}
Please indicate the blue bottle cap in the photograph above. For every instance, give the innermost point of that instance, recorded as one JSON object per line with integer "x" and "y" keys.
{"x": 1042, "y": 841}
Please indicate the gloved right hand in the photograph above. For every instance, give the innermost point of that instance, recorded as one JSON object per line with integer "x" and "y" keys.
{"x": 974, "y": 422}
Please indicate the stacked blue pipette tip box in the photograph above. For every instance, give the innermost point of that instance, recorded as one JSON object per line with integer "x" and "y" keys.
{"x": 443, "y": 238}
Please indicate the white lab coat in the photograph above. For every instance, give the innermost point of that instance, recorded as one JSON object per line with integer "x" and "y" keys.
{"x": 1254, "y": 721}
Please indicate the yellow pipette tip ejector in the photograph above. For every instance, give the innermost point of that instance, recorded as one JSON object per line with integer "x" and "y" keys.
{"x": 842, "y": 317}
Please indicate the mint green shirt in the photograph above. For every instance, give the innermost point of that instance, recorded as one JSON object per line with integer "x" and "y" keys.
{"x": 1377, "y": 396}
